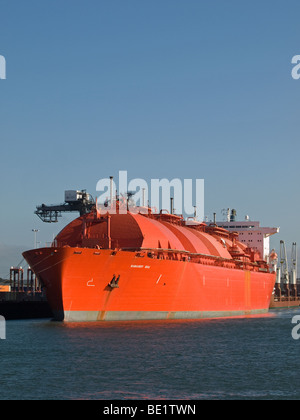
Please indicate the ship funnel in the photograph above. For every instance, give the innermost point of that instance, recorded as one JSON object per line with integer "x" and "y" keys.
{"x": 172, "y": 205}
{"x": 233, "y": 215}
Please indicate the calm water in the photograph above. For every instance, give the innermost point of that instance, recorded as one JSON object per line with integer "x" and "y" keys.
{"x": 216, "y": 359}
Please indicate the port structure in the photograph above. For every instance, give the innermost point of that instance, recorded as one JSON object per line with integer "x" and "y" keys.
{"x": 16, "y": 281}
{"x": 287, "y": 287}
{"x": 75, "y": 201}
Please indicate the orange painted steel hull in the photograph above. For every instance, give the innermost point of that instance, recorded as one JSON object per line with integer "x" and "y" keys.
{"x": 77, "y": 286}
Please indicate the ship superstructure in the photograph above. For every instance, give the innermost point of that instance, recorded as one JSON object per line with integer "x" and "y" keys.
{"x": 250, "y": 233}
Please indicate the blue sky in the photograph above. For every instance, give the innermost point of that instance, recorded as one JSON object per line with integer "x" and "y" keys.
{"x": 160, "y": 88}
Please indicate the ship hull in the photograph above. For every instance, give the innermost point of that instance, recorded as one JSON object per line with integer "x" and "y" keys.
{"x": 89, "y": 285}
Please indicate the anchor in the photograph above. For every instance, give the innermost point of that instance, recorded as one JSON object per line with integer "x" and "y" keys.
{"x": 114, "y": 283}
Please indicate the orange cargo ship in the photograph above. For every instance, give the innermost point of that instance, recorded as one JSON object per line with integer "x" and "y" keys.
{"x": 149, "y": 266}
